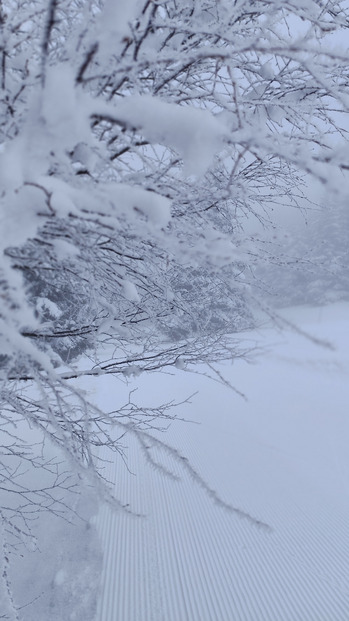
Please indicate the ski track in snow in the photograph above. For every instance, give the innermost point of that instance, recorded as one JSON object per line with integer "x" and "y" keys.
{"x": 281, "y": 457}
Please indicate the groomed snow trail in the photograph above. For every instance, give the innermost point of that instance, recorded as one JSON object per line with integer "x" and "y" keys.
{"x": 281, "y": 457}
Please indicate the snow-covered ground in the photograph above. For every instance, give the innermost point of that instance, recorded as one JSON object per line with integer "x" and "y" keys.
{"x": 281, "y": 456}
{"x": 59, "y": 580}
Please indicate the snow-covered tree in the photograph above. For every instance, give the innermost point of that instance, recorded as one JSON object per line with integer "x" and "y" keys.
{"x": 136, "y": 141}
{"x": 309, "y": 259}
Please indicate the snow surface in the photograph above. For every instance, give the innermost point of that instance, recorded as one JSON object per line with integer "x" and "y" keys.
{"x": 59, "y": 580}
{"x": 281, "y": 456}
